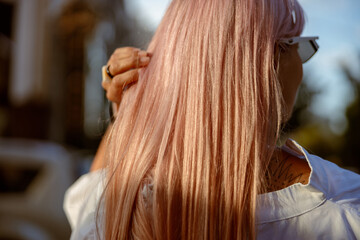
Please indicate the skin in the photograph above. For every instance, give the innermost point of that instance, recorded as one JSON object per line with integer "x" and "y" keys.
{"x": 124, "y": 64}
{"x": 290, "y": 76}
{"x": 285, "y": 168}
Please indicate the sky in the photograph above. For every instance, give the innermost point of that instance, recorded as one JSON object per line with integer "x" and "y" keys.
{"x": 336, "y": 22}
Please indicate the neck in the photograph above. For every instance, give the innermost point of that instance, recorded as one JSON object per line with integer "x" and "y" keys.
{"x": 284, "y": 170}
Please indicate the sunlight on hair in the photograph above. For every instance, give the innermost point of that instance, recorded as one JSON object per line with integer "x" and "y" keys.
{"x": 200, "y": 124}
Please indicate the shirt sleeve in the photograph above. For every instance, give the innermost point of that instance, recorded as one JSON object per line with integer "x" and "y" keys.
{"x": 81, "y": 203}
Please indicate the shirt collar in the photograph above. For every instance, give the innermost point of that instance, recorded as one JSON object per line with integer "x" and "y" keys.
{"x": 296, "y": 199}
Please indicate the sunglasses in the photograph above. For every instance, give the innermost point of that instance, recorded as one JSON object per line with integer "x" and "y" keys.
{"x": 307, "y": 46}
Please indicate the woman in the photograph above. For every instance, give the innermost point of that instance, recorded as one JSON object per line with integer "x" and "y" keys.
{"x": 192, "y": 153}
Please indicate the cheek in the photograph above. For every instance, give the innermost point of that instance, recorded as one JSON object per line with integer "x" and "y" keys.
{"x": 297, "y": 78}
{"x": 299, "y": 73}
{"x": 290, "y": 76}
{"x": 290, "y": 79}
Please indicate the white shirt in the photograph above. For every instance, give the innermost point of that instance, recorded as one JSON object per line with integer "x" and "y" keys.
{"x": 328, "y": 207}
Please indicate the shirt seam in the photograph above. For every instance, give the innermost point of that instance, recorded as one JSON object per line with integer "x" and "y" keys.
{"x": 295, "y": 215}
{"x": 348, "y": 208}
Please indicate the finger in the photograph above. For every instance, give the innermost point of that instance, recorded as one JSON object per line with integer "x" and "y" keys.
{"x": 116, "y": 56}
{"x": 142, "y": 54}
{"x": 122, "y": 80}
{"x": 116, "y": 86}
{"x": 121, "y": 53}
{"x": 121, "y": 66}
{"x": 125, "y": 51}
{"x": 122, "y": 56}
{"x": 113, "y": 93}
{"x": 106, "y": 85}
{"x": 113, "y": 96}
{"x": 106, "y": 79}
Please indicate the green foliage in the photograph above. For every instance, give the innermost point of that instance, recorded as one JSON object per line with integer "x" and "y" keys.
{"x": 351, "y": 148}
{"x": 314, "y": 132}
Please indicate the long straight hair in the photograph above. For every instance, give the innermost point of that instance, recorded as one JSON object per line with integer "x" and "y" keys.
{"x": 188, "y": 150}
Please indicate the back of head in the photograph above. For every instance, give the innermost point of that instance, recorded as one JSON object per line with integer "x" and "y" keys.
{"x": 193, "y": 137}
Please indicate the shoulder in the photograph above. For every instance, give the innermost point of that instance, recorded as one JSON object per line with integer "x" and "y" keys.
{"x": 328, "y": 207}
{"x": 341, "y": 190}
{"x": 337, "y": 183}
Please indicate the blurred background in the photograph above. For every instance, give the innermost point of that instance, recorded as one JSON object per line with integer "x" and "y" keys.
{"x": 53, "y": 110}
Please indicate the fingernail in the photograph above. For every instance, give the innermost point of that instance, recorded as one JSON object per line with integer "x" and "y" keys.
{"x": 142, "y": 54}
{"x": 144, "y": 59}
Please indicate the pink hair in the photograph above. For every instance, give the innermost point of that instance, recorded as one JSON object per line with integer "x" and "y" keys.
{"x": 193, "y": 137}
